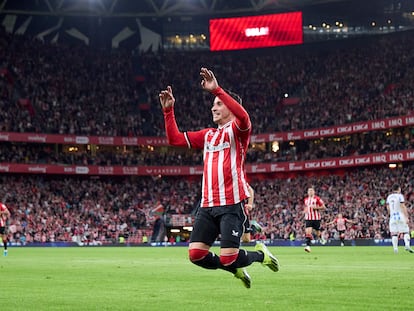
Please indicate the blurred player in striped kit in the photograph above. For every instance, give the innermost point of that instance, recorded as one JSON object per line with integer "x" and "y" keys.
{"x": 4, "y": 215}
{"x": 340, "y": 222}
{"x": 313, "y": 206}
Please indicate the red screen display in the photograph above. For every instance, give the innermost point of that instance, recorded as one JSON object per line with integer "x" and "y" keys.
{"x": 256, "y": 31}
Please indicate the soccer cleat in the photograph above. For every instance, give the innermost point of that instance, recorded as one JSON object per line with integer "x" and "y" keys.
{"x": 409, "y": 249}
{"x": 242, "y": 274}
{"x": 5, "y": 252}
{"x": 256, "y": 225}
{"x": 269, "y": 259}
{"x": 307, "y": 249}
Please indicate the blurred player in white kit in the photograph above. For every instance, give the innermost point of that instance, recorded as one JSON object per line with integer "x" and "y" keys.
{"x": 398, "y": 218}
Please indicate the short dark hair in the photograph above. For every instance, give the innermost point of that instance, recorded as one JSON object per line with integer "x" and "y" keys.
{"x": 395, "y": 187}
{"x": 235, "y": 96}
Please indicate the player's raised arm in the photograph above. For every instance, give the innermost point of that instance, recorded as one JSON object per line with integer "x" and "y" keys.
{"x": 174, "y": 136}
{"x": 209, "y": 83}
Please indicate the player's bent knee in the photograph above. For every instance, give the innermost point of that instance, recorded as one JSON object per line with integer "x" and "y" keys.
{"x": 196, "y": 254}
{"x": 227, "y": 260}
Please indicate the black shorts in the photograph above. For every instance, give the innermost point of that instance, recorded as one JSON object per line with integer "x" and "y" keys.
{"x": 247, "y": 228}
{"x": 226, "y": 221}
{"x": 315, "y": 224}
{"x": 2, "y": 230}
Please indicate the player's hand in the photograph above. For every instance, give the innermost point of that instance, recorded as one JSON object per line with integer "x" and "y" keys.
{"x": 167, "y": 99}
{"x": 209, "y": 81}
{"x": 249, "y": 207}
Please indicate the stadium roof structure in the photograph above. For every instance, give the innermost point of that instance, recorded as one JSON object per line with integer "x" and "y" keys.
{"x": 150, "y": 8}
{"x": 117, "y": 23}
{"x": 162, "y": 8}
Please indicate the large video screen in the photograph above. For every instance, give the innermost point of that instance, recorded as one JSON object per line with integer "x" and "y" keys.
{"x": 253, "y": 32}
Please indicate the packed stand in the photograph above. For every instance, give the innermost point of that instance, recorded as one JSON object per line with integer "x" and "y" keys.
{"x": 359, "y": 195}
{"x": 52, "y": 209}
{"x": 93, "y": 211}
{"x": 78, "y": 90}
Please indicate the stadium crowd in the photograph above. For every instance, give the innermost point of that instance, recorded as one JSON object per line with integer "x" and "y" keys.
{"x": 77, "y": 90}
{"x": 52, "y": 209}
{"x": 359, "y": 195}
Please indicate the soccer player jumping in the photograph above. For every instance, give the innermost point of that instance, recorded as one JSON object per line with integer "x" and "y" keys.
{"x": 224, "y": 186}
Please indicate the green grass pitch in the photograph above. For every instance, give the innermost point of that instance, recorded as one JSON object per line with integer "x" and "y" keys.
{"x": 161, "y": 278}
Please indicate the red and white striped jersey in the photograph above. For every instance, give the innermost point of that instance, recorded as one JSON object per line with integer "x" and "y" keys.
{"x": 341, "y": 223}
{"x": 3, "y": 218}
{"x": 224, "y": 181}
{"x": 310, "y": 212}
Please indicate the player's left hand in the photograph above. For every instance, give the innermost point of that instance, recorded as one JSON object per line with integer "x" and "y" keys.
{"x": 249, "y": 207}
{"x": 209, "y": 81}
